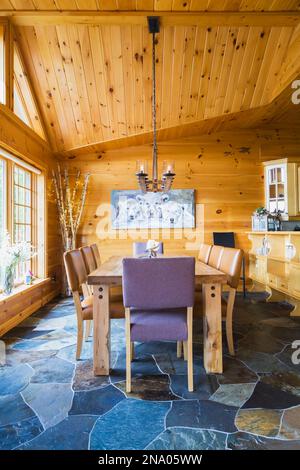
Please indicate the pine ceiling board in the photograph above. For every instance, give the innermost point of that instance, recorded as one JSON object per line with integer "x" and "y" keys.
{"x": 265, "y": 68}
{"x": 45, "y": 5}
{"x": 199, "y": 5}
{"x": 144, "y": 5}
{"x": 277, "y": 61}
{"x": 190, "y": 37}
{"x": 87, "y": 5}
{"x": 253, "y": 72}
{"x": 181, "y": 5}
{"x": 167, "y": 72}
{"x": 242, "y": 81}
{"x": 137, "y": 44}
{"x": 210, "y": 45}
{"x": 178, "y": 52}
{"x": 23, "y": 4}
{"x": 89, "y": 74}
{"x": 107, "y": 5}
{"x": 215, "y": 5}
{"x": 67, "y": 5}
{"x": 163, "y": 5}
{"x": 218, "y": 61}
{"x": 226, "y": 69}
{"x": 100, "y": 82}
{"x": 28, "y": 41}
{"x": 81, "y": 80}
{"x": 66, "y": 119}
{"x": 79, "y": 116}
{"x": 146, "y": 58}
{"x": 159, "y": 78}
{"x": 196, "y": 70}
{"x": 6, "y": 5}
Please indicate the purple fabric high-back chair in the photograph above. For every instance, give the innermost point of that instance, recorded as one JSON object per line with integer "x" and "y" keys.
{"x": 158, "y": 298}
{"x": 140, "y": 249}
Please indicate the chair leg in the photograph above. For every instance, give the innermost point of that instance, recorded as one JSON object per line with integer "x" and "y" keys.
{"x": 79, "y": 339}
{"x": 229, "y": 314}
{"x": 132, "y": 351}
{"x": 88, "y": 329}
{"x": 190, "y": 349}
{"x": 179, "y": 349}
{"x": 128, "y": 350}
{"x": 185, "y": 351}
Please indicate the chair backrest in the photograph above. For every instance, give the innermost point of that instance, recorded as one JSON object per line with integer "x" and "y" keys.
{"x": 224, "y": 239}
{"x": 204, "y": 253}
{"x": 96, "y": 253}
{"x": 231, "y": 263}
{"x": 89, "y": 258}
{"x": 75, "y": 269}
{"x": 215, "y": 256}
{"x": 140, "y": 248}
{"x": 159, "y": 283}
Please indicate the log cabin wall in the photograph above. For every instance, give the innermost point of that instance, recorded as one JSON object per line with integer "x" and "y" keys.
{"x": 19, "y": 139}
{"x": 224, "y": 168}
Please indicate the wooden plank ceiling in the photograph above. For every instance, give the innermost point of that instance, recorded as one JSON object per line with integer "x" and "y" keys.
{"x": 156, "y": 5}
{"x": 93, "y": 83}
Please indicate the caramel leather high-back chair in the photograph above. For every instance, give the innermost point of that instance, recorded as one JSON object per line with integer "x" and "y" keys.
{"x": 89, "y": 258}
{"x": 77, "y": 277}
{"x": 204, "y": 253}
{"x": 215, "y": 256}
{"x": 96, "y": 254}
{"x": 231, "y": 264}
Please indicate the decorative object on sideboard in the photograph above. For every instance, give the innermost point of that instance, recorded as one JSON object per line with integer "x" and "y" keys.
{"x": 152, "y": 248}
{"x": 265, "y": 248}
{"x": 290, "y": 251}
{"x": 263, "y": 221}
{"x": 168, "y": 174}
{"x": 12, "y": 255}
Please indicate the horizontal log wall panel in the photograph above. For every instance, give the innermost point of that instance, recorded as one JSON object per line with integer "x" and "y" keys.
{"x": 224, "y": 168}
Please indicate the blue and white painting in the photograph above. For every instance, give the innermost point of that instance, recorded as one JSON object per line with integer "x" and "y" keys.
{"x": 134, "y": 209}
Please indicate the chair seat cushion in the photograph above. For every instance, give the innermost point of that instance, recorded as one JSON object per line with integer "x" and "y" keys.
{"x": 116, "y": 310}
{"x": 159, "y": 325}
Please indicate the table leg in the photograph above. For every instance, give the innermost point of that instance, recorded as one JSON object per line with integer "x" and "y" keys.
{"x": 212, "y": 328}
{"x": 101, "y": 330}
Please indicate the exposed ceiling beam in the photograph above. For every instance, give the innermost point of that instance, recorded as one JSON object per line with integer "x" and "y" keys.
{"x": 204, "y": 19}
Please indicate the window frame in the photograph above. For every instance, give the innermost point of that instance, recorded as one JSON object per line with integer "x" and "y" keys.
{"x": 38, "y": 214}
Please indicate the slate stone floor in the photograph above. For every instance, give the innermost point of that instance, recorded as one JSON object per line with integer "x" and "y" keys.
{"x": 50, "y": 401}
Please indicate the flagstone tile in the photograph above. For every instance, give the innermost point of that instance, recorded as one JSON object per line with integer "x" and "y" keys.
{"x": 285, "y": 381}
{"x": 236, "y": 372}
{"x": 168, "y": 363}
{"x": 50, "y": 402}
{"x": 151, "y": 388}
{"x": 13, "y": 379}
{"x": 84, "y": 378}
{"x": 202, "y": 414}
{"x": 189, "y": 439}
{"x": 70, "y": 434}
{"x": 290, "y": 357}
{"x": 233, "y": 394}
{"x": 268, "y": 397}
{"x": 13, "y": 435}
{"x": 290, "y": 426}
{"x": 128, "y": 427}
{"x": 143, "y": 365}
{"x": 261, "y": 362}
{"x": 261, "y": 422}
{"x": 96, "y": 402}
{"x": 14, "y": 409}
{"x": 205, "y": 386}
{"x": 259, "y": 341}
{"x": 14, "y": 357}
{"x": 52, "y": 370}
{"x": 244, "y": 441}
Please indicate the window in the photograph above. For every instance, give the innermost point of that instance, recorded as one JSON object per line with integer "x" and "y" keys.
{"x": 2, "y": 69}
{"x": 22, "y": 195}
{"x": 22, "y": 212}
{"x": 2, "y": 197}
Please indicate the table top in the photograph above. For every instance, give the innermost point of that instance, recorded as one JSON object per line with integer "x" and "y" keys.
{"x": 110, "y": 273}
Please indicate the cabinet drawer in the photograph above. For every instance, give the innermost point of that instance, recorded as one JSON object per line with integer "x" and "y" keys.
{"x": 283, "y": 284}
{"x": 273, "y": 280}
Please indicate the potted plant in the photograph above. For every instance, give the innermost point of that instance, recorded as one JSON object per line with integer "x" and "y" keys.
{"x": 11, "y": 254}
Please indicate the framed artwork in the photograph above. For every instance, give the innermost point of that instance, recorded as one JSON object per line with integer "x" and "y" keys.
{"x": 133, "y": 209}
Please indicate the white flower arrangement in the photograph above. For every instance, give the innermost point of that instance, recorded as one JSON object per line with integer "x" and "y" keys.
{"x": 11, "y": 254}
{"x": 152, "y": 248}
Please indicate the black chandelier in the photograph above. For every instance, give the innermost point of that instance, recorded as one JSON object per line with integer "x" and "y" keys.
{"x": 165, "y": 183}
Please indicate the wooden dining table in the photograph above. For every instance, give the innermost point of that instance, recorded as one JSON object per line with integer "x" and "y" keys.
{"x": 110, "y": 274}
